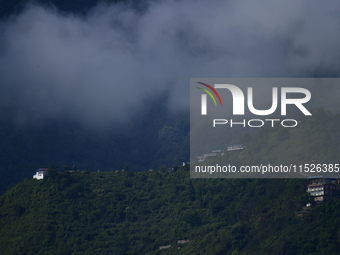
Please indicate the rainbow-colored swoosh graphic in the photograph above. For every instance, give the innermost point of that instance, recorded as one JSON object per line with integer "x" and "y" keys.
{"x": 209, "y": 93}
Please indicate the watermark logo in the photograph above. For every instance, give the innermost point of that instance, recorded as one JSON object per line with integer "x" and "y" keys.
{"x": 239, "y": 99}
{"x": 204, "y": 97}
{"x": 261, "y": 127}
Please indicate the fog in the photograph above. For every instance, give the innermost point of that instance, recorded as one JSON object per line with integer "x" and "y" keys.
{"x": 102, "y": 68}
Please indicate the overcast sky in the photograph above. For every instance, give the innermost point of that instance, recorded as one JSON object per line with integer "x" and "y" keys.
{"x": 100, "y": 69}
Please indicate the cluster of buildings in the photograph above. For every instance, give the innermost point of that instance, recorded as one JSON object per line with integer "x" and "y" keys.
{"x": 322, "y": 189}
{"x": 220, "y": 152}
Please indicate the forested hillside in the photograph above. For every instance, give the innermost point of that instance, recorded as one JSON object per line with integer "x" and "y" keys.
{"x": 136, "y": 213}
{"x": 125, "y": 212}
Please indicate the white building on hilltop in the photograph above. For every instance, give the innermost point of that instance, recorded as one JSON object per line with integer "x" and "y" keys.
{"x": 40, "y": 174}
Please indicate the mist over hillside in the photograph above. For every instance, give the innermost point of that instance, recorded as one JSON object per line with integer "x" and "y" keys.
{"x": 153, "y": 139}
{"x": 105, "y": 84}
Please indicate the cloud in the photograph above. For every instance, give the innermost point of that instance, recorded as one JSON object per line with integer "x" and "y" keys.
{"x": 101, "y": 68}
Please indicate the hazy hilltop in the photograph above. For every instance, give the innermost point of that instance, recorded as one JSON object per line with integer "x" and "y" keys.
{"x": 123, "y": 212}
{"x": 107, "y": 87}
{"x": 154, "y": 138}
{"x": 315, "y": 139}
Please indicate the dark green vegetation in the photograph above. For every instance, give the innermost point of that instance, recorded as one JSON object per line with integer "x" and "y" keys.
{"x": 136, "y": 213}
{"x": 122, "y": 212}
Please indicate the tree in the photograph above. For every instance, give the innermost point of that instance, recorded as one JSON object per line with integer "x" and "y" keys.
{"x": 52, "y": 170}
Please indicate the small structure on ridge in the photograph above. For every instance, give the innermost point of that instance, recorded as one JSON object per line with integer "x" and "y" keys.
{"x": 40, "y": 174}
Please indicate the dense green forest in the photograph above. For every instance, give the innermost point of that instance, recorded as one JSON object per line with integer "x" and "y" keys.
{"x": 121, "y": 212}
{"x": 126, "y": 212}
